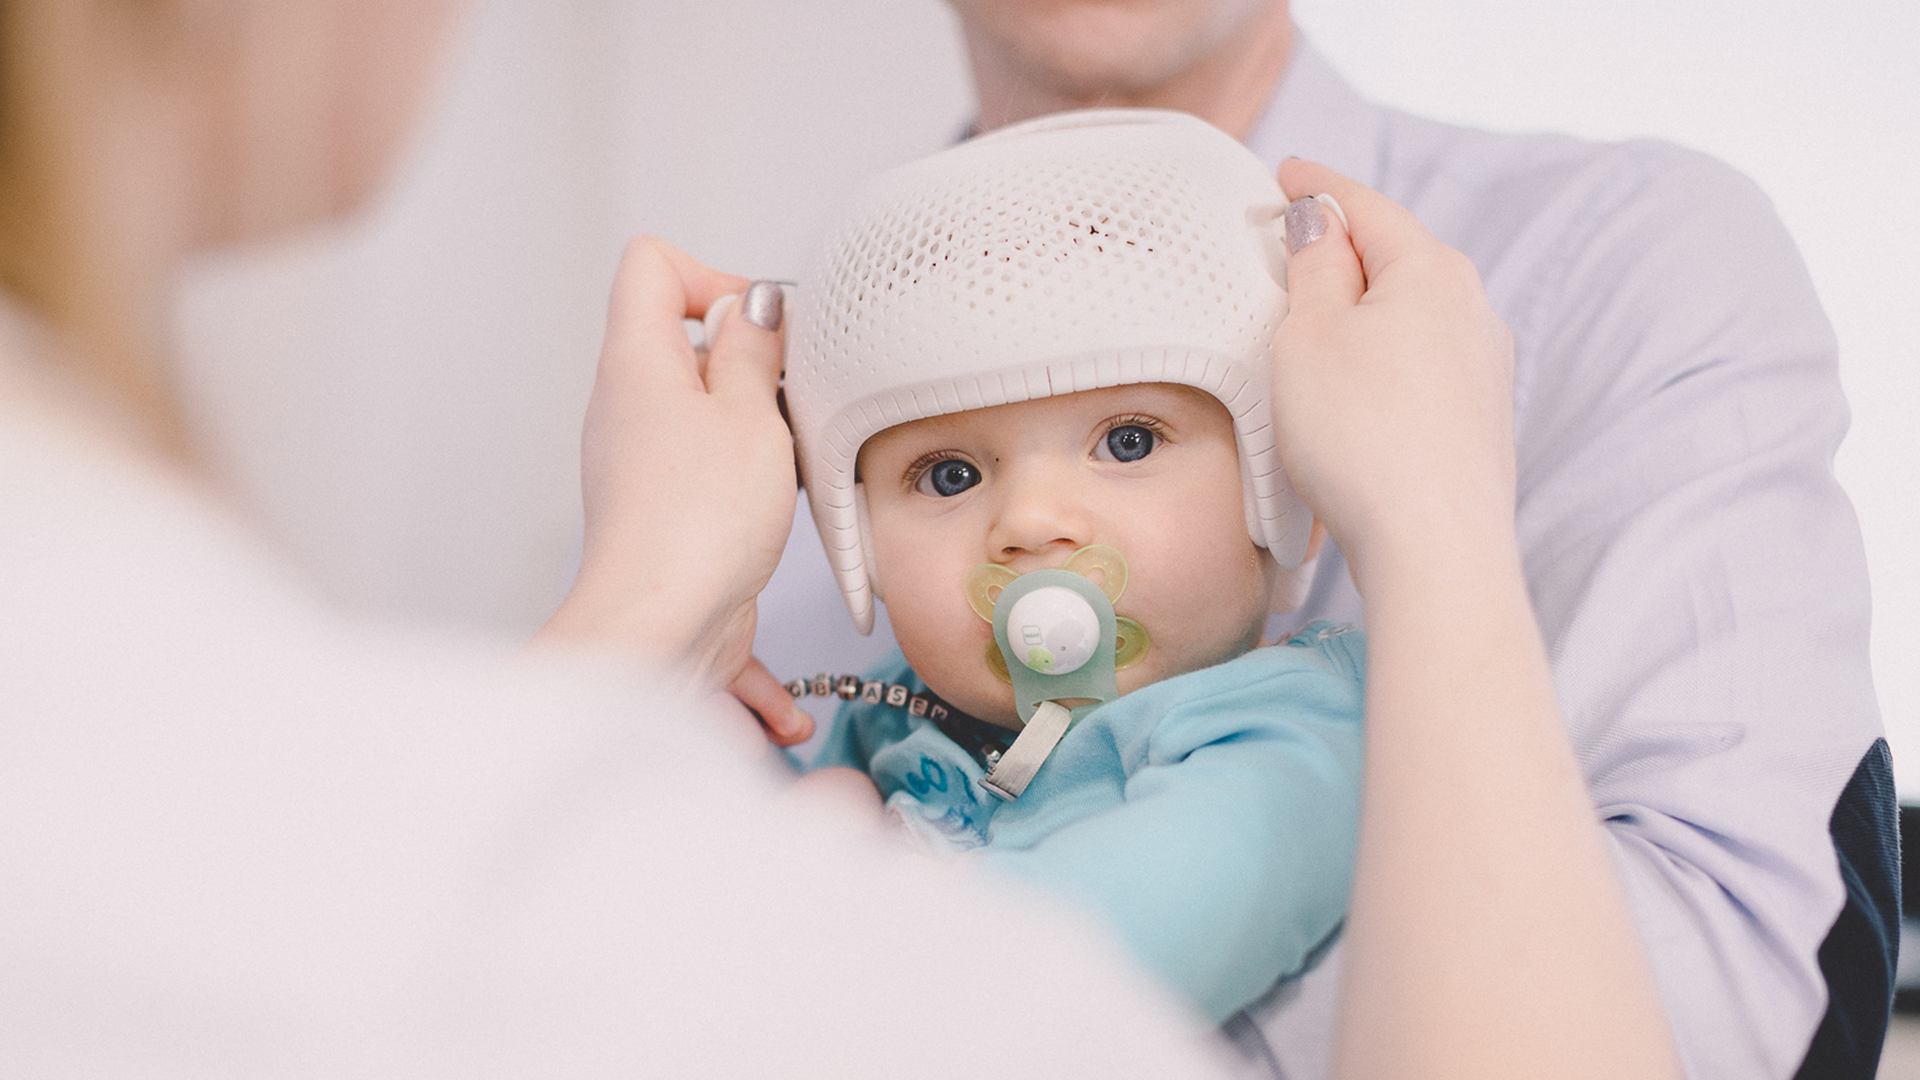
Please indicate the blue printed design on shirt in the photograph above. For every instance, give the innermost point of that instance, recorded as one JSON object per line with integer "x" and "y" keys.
{"x": 930, "y": 778}
{"x": 934, "y": 796}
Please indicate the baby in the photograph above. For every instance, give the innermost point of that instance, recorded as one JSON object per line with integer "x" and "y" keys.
{"x": 1029, "y": 386}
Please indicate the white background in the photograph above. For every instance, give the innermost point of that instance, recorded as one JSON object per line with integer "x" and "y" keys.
{"x": 399, "y": 397}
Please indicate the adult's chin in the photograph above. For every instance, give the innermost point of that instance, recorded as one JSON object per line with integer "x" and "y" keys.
{"x": 1092, "y": 50}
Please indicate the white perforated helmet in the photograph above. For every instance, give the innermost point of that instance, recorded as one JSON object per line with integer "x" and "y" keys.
{"x": 1071, "y": 252}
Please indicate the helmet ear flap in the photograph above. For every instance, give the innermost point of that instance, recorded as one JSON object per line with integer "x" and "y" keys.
{"x": 1249, "y": 503}
{"x": 867, "y": 560}
{"x": 1291, "y": 586}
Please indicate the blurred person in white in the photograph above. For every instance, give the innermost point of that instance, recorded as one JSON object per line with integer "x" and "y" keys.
{"x": 248, "y": 837}
{"x": 1703, "y": 782}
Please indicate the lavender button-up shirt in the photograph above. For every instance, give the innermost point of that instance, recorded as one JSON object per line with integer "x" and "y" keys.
{"x": 1697, "y": 571}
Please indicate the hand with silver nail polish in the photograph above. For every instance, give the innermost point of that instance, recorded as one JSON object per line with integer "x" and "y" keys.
{"x": 1393, "y": 410}
{"x": 686, "y": 472}
{"x": 1392, "y": 375}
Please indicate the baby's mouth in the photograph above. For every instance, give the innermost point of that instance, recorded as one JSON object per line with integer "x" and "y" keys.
{"x": 1102, "y": 566}
{"x": 1057, "y": 640}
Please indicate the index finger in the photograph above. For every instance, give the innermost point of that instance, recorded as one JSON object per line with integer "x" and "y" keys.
{"x": 656, "y": 289}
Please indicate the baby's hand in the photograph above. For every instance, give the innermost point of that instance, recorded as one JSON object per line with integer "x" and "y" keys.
{"x": 784, "y": 722}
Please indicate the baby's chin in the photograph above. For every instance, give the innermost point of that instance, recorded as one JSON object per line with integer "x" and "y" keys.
{"x": 967, "y": 684}
{"x": 979, "y": 694}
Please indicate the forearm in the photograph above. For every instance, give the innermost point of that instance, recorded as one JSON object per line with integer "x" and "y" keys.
{"x": 1487, "y": 929}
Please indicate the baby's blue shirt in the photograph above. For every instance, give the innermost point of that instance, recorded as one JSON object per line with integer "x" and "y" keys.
{"x": 1210, "y": 817}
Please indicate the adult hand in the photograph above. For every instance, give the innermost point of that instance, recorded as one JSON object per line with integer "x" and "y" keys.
{"x": 686, "y": 470}
{"x": 1393, "y": 402}
{"x": 1393, "y": 380}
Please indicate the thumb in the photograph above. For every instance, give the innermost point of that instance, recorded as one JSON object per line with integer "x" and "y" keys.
{"x": 1379, "y": 231}
{"x": 747, "y": 352}
{"x": 1323, "y": 271}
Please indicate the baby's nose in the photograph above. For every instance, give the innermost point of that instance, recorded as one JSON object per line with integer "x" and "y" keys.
{"x": 1042, "y": 519}
{"x": 1039, "y": 556}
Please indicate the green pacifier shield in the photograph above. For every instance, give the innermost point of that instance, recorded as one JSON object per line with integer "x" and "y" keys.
{"x": 1056, "y": 630}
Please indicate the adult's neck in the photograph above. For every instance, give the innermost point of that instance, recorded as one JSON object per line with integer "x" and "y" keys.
{"x": 98, "y": 285}
{"x": 1228, "y": 86}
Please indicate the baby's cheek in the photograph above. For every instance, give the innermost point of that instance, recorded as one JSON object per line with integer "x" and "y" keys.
{"x": 1213, "y": 621}
{"x": 922, "y": 616}
{"x": 955, "y": 667}
{"x": 940, "y": 636}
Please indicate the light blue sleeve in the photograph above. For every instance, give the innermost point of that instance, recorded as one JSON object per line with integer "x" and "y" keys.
{"x": 1220, "y": 847}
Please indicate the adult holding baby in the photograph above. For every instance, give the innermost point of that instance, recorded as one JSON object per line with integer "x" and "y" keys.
{"x": 1620, "y": 714}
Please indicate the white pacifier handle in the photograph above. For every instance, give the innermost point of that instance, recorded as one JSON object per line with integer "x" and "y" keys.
{"x": 1016, "y": 768}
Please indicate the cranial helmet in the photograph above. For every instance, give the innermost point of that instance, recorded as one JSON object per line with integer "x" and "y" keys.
{"x": 1071, "y": 252}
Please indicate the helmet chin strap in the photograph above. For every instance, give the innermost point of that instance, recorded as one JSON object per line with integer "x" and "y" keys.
{"x": 1059, "y": 641}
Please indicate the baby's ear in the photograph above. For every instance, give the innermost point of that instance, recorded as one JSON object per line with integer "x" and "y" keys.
{"x": 1290, "y": 586}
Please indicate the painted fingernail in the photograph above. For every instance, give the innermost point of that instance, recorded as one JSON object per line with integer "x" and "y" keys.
{"x": 764, "y": 305}
{"x": 1306, "y": 222}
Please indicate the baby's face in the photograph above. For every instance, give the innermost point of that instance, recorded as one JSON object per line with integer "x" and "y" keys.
{"x": 1151, "y": 470}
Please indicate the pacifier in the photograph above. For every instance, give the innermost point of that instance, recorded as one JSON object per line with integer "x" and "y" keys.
{"x": 1055, "y": 639}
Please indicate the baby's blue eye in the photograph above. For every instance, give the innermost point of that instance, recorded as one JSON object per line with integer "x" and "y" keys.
{"x": 947, "y": 478}
{"x": 1129, "y": 442}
